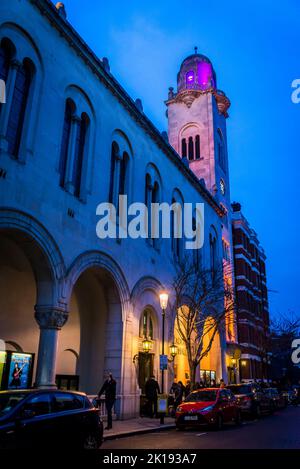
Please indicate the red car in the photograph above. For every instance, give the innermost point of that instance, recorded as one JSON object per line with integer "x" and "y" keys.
{"x": 209, "y": 406}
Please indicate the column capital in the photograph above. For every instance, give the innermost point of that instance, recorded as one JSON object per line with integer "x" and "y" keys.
{"x": 118, "y": 156}
{"x": 50, "y": 317}
{"x": 76, "y": 119}
{"x": 15, "y": 63}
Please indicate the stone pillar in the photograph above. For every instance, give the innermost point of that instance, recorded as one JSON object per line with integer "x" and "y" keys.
{"x": 68, "y": 183}
{"x": 51, "y": 320}
{"x": 116, "y": 182}
{"x": 10, "y": 87}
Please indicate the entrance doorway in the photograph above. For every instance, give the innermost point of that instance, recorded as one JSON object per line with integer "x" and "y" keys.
{"x": 146, "y": 369}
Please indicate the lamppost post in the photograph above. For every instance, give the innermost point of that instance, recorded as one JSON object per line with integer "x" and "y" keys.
{"x": 162, "y": 416}
{"x": 163, "y": 303}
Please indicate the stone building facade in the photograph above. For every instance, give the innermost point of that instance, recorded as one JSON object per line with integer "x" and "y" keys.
{"x": 71, "y": 138}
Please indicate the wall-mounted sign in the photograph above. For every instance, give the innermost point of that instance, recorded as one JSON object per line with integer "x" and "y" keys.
{"x": 163, "y": 362}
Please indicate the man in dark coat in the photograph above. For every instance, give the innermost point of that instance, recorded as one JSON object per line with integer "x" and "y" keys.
{"x": 109, "y": 389}
{"x": 151, "y": 391}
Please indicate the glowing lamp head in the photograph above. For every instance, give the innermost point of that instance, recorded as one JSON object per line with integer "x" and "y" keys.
{"x": 147, "y": 345}
{"x": 163, "y": 298}
{"x": 243, "y": 363}
{"x": 173, "y": 350}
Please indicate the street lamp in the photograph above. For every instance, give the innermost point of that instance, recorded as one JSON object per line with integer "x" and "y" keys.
{"x": 147, "y": 347}
{"x": 163, "y": 298}
{"x": 173, "y": 351}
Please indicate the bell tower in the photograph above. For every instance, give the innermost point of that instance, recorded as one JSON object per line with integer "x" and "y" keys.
{"x": 197, "y": 123}
{"x": 197, "y": 115}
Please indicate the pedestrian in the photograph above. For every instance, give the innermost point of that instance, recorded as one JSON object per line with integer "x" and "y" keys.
{"x": 201, "y": 384}
{"x": 109, "y": 389}
{"x": 213, "y": 383}
{"x": 222, "y": 384}
{"x": 151, "y": 391}
{"x": 187, "y": 388}
{"x": 179, "y": 394}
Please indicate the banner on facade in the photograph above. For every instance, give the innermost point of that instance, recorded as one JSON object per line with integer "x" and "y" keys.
{"x": 163, "y": 362}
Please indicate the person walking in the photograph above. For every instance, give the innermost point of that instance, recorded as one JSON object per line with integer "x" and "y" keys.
{"x": 151, "y": 391}
{"x": 222, "y": 384}
{"x": 109, "y": 389}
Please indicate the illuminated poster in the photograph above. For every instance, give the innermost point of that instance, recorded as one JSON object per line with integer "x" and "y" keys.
{"x": 2, "y": 365}
{"x": 19, "y": 370}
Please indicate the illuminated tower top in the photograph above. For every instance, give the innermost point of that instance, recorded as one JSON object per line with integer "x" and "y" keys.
{"x": 196, "y": 73}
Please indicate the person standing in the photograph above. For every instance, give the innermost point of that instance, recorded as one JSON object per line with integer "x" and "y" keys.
{"x": 222, "y": 384}
{"x": 151, "y": 391}
{"x": 109, "y": 389}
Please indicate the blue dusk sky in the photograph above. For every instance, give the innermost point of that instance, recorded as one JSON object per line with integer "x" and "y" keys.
{"x": 254, "y": 47}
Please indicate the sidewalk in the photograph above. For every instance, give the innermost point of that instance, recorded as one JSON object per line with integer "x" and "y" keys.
{"x": 122, "y": 428}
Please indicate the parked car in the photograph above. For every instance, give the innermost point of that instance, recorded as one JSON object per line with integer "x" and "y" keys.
{"x": 48, "y": 418}
{"x": 276, "y": 397}
{"x": 251, "y": 399}
{"x": 208, "y": 406}
{"x": 288, "y": 395}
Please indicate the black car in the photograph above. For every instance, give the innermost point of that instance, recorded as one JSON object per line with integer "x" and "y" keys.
{"x": 251, "y": 399}
{"x": 48, "y": 418}
{"x": 278, "y": 399}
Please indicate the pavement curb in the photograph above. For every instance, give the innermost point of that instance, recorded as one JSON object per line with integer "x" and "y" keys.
{"x": 138, "y": 432}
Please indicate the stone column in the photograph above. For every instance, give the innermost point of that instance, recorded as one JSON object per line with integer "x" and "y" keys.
{"x": 116, "y": 182}
{"x": 51, "y": 320}
{"x": 68, "y": 183}
{"x": 10, "y": 87}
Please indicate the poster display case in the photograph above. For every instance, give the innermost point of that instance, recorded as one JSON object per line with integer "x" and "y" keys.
{"x": 16, "y": 370}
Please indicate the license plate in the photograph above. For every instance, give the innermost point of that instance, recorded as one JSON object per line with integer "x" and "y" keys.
{"x": 191, "y": 417}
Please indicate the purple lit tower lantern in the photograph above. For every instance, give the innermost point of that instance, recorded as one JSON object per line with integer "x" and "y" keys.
{"x": 196, "y": 72}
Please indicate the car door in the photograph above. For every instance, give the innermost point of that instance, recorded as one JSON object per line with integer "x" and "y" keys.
{"x": 232, "y": 405}
{"x": 33, "y": 422}
{"x": 69, "y": 413}
{"x": 225, "y": 405}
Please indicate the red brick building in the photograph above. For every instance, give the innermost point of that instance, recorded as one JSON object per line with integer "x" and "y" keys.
{"x": 251, "y": 298}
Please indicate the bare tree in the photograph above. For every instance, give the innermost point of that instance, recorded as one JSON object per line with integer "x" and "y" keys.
{"x": 204, "y": 305}
{"x": 286, "y": 325}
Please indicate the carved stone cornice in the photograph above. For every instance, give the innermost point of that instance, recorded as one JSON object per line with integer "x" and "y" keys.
{"x": 223, "y": 102}
{"x": 49, "y": 317}
{"x": 188, "y": 97}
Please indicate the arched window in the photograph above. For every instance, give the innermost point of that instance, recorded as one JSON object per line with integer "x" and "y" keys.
{"x": 183, "y": 148}
{"x": 221, "y": 150}
{"x": 197, "y": 147}
{"x": 177, "y": 224}
{"x": 191, "y": 148}
{"x": 146, "y": 325}
{"x": 152, "y": 196}
{"x": 190, "y": 78}
{"x": 18, "y": 107}
{"x": 65, "y": 143}
{"x": 197, "y": 257}
{"x": 79, "y": 153}
{"x": 5, "y": 57}
{"x": 123, "y": 174}
{"x": 213, "y": 254}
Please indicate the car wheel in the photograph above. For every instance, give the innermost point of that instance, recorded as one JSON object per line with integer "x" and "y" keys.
{"x": 91, "y": 442}
{"x": 238, "y": 418}
{"x": 219, "y": 422}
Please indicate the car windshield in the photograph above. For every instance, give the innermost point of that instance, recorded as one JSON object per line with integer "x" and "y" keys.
{"x": 202, "y": 396}
{"x": 9, "y": 400}
{"x": 239, "y": 389}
